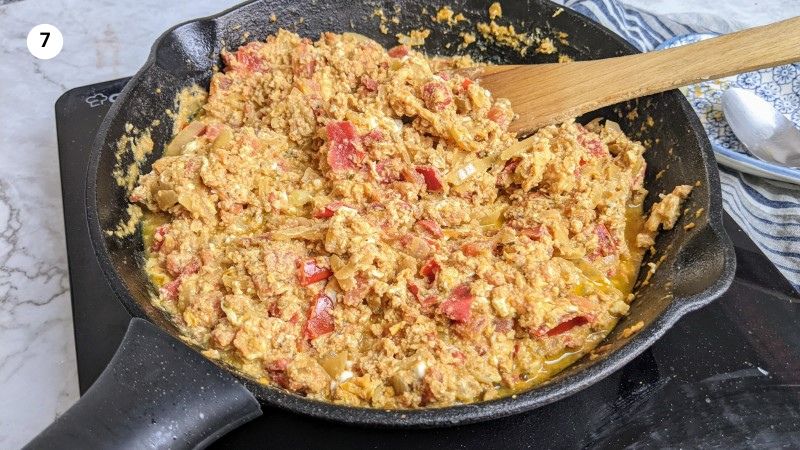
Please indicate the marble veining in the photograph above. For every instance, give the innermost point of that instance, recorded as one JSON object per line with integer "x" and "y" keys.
{"x": 105, "y": 40}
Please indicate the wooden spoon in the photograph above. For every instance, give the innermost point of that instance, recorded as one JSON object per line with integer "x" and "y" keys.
{"x": 544, "y": 94}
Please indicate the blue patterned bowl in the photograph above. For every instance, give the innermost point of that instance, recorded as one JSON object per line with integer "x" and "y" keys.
{"x": 778, "y": 85}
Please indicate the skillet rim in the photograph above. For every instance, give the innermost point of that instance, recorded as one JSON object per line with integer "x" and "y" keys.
{"x": 458, "y": 414}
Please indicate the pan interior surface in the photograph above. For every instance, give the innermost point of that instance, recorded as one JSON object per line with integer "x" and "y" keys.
{"x": 695, "y": 263}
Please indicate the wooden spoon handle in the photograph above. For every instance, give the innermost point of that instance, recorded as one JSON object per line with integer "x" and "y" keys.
{"x": 549, "y": 93}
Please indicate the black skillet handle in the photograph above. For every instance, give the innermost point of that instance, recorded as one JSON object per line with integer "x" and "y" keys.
{"x": 705, "y": 266}
{"x": 155, "y": 393}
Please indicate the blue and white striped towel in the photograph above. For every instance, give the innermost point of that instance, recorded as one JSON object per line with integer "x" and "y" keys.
{"x": 769, "y": 214}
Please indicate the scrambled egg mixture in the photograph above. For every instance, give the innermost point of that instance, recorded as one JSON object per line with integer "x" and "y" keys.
{"x": 358, "y": 226}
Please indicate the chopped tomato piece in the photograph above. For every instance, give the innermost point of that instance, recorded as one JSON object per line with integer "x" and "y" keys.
{"x": 567, "y": 325}
{"x": 341, "y": 131}
{"x": 320, "y": 317}
{"x": 466, "y": 84}
{"x": 457, "y": 306}
{"x": 279, "y": 365}
{"x": 247, "y": 58}
{"x": 430, "y": 269}
{"x": 357, "y": 294}
{"x": 158, "y": 237}
{"x": 472, "y": 249}
{"x": 497, "y": 250}
{"x": 277, "y": 372}
{"x": 594, "y": 146}
{"x": 249, "y": 61}
{"x": 345, "y": 146}
{"x": 170, "y": 290}
{"x": 431, "y": 176}
{"x": 193, "y": 266}
{"x": 309, "y": 272}
{"x": 399, "y": 51}
{"x": 498, "y": 116}
{"x": 274, "y": 310}
{"x": 511, "y": 165}
{"x": 369, "y": 83}
{"x": 495, "y": 113}
{"x": 177, "y": 264}
{"x": 431, "y": 227}
{"x": 436, "y": 95}
{"x": 534, "y": 233}
{"x": 605, "y": 243}
{"x": 328, "y": 211}
{"x": 414, "y": 289}
{"x": 212, "y": 131}
{"x": 372, "y": 137}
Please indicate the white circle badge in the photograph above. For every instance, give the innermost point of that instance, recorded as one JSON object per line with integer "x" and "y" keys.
{"x": 45, "y": 41}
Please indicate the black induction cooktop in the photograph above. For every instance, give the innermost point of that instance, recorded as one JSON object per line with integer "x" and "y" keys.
{"x": 727, "y": 376}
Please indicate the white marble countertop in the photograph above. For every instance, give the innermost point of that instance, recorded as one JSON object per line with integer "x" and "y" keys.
{"x": 105, "y": 40}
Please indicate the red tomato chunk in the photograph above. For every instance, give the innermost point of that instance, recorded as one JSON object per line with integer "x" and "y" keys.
{"x": 369, "y": 83}
{"x": 246, "y": 58}
{"x": 170, "y": 290}
{"x": 436, "y": 95}
{"x": 320, "y": 317}
{"x": 345, "y": 146}
{"x": 594, "y": 146}
{"x": 328, "y": 211}
{"x": 431, "y": 176}
{"x": 431, "y": 227}
{"x": 606, "y": 244}
{"x": 399, "y": 51}
{"x": 158, "y": 237}
{"x": 309, "y": 272}
{"x": 457, "y": 306}
{"x": 567, "y": 325}
{"x": 430, "y": 269}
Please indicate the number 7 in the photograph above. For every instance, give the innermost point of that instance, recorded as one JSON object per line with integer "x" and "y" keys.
{"x": 46, "y": 35}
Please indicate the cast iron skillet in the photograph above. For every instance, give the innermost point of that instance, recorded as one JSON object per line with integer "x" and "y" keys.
{"x": 158, "y": 392}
